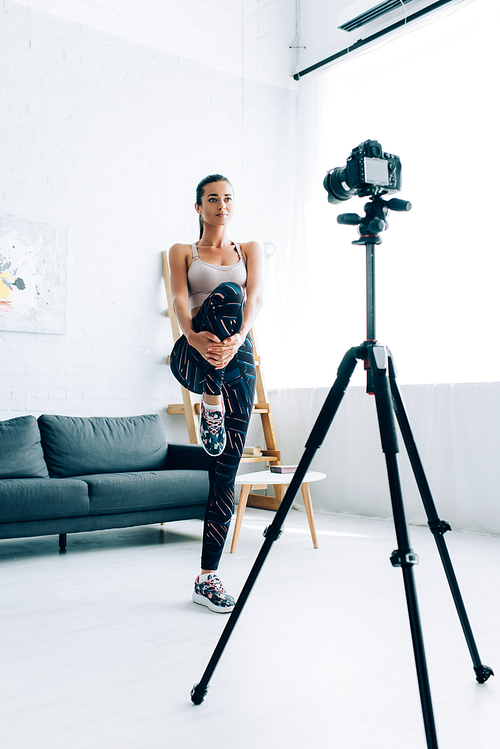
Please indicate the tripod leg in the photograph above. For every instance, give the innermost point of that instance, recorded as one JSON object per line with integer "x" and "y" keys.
{"x": 403, "y": 557}
{"x": 273, "y": 532}
{"x": 437, "y": 526}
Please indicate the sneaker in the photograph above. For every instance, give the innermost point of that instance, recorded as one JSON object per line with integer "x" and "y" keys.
{"x": 210, "y": 593}
{"x": 212, "y": 430}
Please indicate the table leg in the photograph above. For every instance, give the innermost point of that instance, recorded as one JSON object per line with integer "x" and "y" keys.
{"x": 309, "y": 511}
{"x": 245, "y": 491}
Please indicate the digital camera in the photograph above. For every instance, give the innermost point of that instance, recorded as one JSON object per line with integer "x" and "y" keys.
{"x": 369, "y": 171}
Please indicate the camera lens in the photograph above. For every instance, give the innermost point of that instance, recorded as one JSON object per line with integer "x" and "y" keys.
{"x": 336, "y": 186}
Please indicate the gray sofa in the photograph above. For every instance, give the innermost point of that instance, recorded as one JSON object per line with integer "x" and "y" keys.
{"x": 66, "y": 474}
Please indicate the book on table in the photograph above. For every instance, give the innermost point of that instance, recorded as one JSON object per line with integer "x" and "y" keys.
{"x": 283, "y": 469}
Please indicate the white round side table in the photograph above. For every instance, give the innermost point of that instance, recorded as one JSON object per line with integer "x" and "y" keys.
{"x": 269, "y": 478}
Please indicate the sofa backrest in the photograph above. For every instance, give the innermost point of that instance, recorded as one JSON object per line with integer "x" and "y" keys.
{"x": 79, "y": 446}
{"x": 21, "y": 454}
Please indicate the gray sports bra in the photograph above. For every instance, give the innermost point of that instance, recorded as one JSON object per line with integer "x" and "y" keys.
{"x": 203, "y": 277}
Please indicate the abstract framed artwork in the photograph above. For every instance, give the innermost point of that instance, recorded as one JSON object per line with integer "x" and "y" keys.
{"x": 33, "y": 275}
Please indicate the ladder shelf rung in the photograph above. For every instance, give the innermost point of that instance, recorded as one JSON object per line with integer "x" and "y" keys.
{"x": 259, "y": 459}
{"x": 178, "y": 409}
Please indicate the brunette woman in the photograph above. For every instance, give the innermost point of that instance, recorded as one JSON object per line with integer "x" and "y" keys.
{"x": 217, "y": 293}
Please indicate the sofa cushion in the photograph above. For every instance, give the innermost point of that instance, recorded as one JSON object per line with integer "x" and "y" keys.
{"x": 41, "y": 499}
{"x": 148, "y": 490}
{"x": 21, "y": 454}
{"x": 75, "y": 446}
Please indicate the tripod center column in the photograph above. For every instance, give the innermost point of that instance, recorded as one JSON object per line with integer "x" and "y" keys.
{"x": 370, "y": 293}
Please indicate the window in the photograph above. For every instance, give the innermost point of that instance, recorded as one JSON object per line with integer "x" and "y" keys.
{"x": 429, "y": 96}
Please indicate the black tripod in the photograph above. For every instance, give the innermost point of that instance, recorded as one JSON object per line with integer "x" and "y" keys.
{"x": 381, "y": 382}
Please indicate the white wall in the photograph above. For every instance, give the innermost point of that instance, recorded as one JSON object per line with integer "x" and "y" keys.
{"x": 111, "y": 112}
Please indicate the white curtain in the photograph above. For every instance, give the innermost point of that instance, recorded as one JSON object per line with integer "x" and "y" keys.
{"x": 457, "y": 431}
{"x": 429, "y": 96}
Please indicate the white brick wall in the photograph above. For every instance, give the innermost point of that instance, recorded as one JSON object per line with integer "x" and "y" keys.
{"x": 110, "y": 137}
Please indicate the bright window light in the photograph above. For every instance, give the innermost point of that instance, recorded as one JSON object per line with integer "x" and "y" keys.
{"x": 429, "y": 96}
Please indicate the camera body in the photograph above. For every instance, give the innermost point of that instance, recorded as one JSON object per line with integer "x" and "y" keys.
{"x": 368, "y": 171}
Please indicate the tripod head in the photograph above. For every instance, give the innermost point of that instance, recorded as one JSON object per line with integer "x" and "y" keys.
{"x": 374, "y": 221}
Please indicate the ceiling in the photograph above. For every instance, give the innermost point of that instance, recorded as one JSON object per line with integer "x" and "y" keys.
{"x": 319, "y": 36}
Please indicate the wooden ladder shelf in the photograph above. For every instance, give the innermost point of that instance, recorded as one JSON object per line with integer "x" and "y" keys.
{"x": 190, "y": 408}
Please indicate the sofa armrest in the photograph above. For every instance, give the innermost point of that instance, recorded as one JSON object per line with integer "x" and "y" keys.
{"x": 188, "y": 457}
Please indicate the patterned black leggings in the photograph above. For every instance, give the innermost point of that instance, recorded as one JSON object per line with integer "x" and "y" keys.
{"x": 221, "y": 314}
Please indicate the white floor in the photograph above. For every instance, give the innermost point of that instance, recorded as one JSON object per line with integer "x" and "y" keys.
{"x": 100, "y": 647}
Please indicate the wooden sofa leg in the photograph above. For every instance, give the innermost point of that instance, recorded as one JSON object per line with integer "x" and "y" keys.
{"x": 63, "y": 537}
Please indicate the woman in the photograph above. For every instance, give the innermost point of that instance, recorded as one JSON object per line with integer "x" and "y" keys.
{"x": 217, "y": 294}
